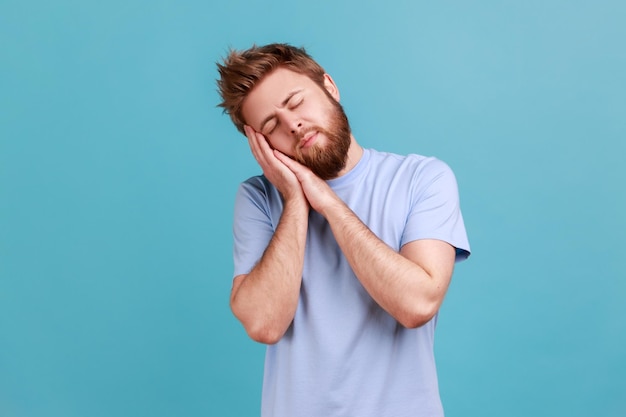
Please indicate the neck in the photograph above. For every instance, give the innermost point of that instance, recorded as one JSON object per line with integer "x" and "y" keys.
{"x": 355, "y": 152}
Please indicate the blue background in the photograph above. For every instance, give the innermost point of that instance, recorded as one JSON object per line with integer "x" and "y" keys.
{"x": 118, "y": 173}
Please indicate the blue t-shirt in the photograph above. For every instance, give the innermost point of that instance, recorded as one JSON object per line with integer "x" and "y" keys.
{"x": 343, "y": 355}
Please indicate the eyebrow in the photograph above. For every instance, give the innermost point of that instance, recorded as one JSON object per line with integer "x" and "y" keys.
{"x": 283, "y": 104}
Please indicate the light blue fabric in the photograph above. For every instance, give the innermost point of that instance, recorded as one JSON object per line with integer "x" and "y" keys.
{"x": 343, "y": 355}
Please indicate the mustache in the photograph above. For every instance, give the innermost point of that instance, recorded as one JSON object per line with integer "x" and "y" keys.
{"x": 301, "y": 135}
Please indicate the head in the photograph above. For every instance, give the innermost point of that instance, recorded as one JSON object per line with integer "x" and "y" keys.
{"x": 258, "y": 85}
{"x": 241, "y": 71}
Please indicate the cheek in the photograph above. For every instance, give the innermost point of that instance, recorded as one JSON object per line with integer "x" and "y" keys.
{"x": 315, "y": 113}
{"x": 281, "y": 143}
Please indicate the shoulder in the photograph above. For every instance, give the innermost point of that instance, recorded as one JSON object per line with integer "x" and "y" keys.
{"x": 411, "y": 166}
{"x": 256, "y": 184}
{"x": 257, "y": 187}
{"x": 256, "y": 190}
{"x": 257, "y": 194}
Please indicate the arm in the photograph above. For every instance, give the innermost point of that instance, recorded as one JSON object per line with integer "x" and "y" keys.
{"x": 265, "y": 300}
{"x": 409, "y": 285}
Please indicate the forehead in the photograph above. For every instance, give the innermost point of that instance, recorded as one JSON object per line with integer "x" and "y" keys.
{"x": 271, "y": 91}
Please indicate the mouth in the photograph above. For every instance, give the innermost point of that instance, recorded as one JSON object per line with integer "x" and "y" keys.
{"x": 308, "y": 140}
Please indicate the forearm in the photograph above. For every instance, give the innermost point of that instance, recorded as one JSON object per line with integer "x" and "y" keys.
{"x": 265, "y": 300}
{"x": 399, "y": 285}
{"x": 409, "y": 285}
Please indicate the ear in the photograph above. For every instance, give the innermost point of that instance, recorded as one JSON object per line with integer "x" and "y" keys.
{"x": 331, "y": 87}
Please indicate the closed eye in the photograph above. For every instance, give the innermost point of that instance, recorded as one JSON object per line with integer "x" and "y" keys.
{"x": 292, "y": 101}
{"x": 295, "y": 101}
{"x": 270, "y": 126}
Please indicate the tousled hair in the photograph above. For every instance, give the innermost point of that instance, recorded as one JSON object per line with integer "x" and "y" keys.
{"x": 241, "y": 71}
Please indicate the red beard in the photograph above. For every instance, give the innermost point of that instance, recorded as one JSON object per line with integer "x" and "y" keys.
{"x": 327, "y": 161}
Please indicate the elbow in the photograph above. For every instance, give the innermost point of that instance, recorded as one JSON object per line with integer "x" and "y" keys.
{"x": 413, "y": 322}
{"x": 266, "y": 334}
{"x": 417, "y": 317}
{"x": 260, "y": 330}
{"x": 258, "y": 326}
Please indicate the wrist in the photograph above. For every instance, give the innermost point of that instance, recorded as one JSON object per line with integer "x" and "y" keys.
{"x": 331, "y": 207}
{"x": 296, "y": 202}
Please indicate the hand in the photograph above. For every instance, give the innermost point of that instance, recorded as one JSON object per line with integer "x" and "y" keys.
{"x": 318, "y": 193}
{"x": 273, "y": 169}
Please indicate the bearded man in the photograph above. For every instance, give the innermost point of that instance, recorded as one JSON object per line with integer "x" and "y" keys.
{"x": 343, "y": 255}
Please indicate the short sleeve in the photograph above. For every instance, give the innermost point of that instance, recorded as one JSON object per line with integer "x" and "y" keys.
{"x": 253, "y": 227}
{"x": 435, "y": 211}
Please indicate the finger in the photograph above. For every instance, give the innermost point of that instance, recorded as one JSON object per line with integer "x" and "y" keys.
{"x": 250, "y": 134}
{"x": 258, "y": 145}
{"x": 257, "y": 139}
{"x": 292, "y": 164}
{"x": 264, "y": 149}
{"x": 262, "y": 143}
{"x": 264, "y": 154}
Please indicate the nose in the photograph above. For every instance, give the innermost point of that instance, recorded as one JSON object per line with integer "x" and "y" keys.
{"x": 296, "y": 127}
{"x": 292, "y": 122}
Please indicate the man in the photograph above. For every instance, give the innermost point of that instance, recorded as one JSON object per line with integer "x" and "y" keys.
{"x": 343, "y": 255}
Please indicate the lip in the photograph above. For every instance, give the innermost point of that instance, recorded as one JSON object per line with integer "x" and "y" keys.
{"x": 308, "y": 139}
